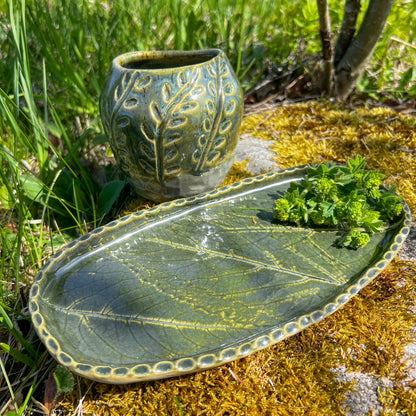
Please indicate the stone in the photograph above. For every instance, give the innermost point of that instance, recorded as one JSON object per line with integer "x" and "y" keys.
{"x": 257, "y": 152}
{"x": 364, "y": 397}
{"x": 408, "y": 251}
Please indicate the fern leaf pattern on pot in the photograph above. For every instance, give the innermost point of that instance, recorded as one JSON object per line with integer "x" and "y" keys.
{"x": 172, "y": 120}
{"x": 217, "y": 126}
{"x": 116, "y": 119}
{"x": 161, "y": 153}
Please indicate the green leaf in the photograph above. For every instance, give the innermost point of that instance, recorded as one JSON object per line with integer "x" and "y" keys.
{"x": 412, "y": 91}
{"x": 8, "y": 239}
{"x": 299, "y": 22}
{"x": 109, "y": 195}
{"x": 371, "y": 222}
{"x": 328, "y": 209}
{"x": 318, "y": 171}
{"x": 17, "y": 355}
{"x": 33, "y": 188}
{"x": 99, "y": 140}
{"x": 5, "y": 199}
{"x": 64, "y": 380}
{"x": 406, "y": 78}
{"x": 356, "y": 165}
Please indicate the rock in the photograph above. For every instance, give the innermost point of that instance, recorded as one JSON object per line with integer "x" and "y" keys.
{"x": 257, "y": 152}
{"x": 410, "y": 359}
{"x": 408, "y": 251}
{"x": 364, "y": 397}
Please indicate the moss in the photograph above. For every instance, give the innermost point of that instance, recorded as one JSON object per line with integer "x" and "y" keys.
{"x": 237, "y": 172}
{"x": 296, "y": 376}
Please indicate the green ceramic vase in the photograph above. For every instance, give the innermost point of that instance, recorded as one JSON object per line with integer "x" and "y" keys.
{"x": 172, "y": 119}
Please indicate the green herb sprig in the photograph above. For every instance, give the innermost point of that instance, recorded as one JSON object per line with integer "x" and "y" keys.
{"x": 348, "y": 198}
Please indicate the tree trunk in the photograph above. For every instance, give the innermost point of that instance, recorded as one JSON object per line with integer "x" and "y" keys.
{"x": 361, "y": 47}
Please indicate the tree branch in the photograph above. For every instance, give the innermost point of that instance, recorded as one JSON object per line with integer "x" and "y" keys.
{"x": 325, "y": 32}
{"x": 348, "y": 27}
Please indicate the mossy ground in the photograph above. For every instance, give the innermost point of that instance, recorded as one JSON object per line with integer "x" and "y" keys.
{"x": 368, "y": 334}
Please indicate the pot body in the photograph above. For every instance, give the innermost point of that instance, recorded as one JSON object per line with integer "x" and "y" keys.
{"x": 172, "y": 119}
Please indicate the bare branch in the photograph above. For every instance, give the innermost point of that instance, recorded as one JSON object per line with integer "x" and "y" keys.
{"x": 348, "y": 27}
{"x": 325, "y": 32}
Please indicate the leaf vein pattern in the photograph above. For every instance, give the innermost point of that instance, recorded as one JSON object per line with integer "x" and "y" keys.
{"x": 146, "y": 320}
{"x": 305, "y": 277}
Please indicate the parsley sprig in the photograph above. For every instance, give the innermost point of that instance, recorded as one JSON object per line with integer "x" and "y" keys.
{"x": 348, "y": 198}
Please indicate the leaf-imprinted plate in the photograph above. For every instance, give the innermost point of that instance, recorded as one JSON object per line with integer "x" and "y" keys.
{"x": 193, "y": 283}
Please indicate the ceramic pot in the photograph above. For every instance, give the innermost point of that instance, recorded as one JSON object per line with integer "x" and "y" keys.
{"x": 172, "y": 119}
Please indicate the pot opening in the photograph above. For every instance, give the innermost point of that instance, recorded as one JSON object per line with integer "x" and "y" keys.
{"x": 169, "y": 61}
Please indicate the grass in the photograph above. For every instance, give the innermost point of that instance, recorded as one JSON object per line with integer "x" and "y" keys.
{"x": 54, "y": 181}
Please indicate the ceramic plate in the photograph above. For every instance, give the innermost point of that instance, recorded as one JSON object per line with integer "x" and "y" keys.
{"x": 197, "y": 282}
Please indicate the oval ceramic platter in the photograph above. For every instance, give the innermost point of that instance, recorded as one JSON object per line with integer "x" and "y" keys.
{"x": 194, "y": 283}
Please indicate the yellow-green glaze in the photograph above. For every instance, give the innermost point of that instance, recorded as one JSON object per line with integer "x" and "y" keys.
{"x": 172, "y": 119}
{"x": 193, "y": 283}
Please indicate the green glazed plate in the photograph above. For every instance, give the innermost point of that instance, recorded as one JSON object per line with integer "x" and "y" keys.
{"x": 197, "y": 282}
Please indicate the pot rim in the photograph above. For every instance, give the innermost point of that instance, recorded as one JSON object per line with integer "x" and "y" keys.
{"x": 140, "y": 56}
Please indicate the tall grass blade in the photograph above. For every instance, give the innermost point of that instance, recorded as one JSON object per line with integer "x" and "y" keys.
{"x": 9, "y": 386}
{"x": 18, "y": 28}
{"x": 16, "y": 334}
